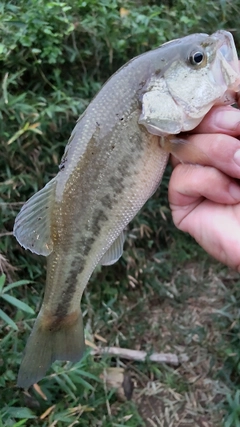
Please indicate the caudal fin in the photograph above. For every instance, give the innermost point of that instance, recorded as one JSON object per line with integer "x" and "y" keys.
{"x": 47, "y": 344}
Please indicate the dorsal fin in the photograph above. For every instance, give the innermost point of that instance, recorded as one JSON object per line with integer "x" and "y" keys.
{"x": 32, "y": 227}
{"x": 114, "y": 252}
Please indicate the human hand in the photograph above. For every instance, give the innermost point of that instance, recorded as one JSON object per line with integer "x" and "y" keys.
{"x": 205, "y": 200}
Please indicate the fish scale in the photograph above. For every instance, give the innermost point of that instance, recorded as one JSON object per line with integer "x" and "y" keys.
{"x": 114, "y": 161}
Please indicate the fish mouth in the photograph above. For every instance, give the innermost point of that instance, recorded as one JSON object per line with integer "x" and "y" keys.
{"x": 226, "y": 69}
{"x": 227, "y": 49}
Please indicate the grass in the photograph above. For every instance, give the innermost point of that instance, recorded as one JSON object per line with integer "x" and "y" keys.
{"x": 165, "y": 294}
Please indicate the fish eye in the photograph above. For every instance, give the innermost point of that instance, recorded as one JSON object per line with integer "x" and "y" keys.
{"x": 196, "y": 58}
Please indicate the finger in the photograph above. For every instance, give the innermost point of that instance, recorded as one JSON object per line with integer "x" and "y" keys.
{"x": 217, "y": 229}
{"x": 190, "y": 183}
{"x": 219, "y": 151}
{"x": 208, "y": 221}
{"x": 219, "y": 237}
{"x": 221, "y": 120}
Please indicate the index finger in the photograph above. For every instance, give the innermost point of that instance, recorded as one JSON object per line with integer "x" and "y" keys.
{"x": 214, "y": 137}
{"x": 220, "y": 119}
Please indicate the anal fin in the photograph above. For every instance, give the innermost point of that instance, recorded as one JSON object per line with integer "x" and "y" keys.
{"x": 114, "y": 252}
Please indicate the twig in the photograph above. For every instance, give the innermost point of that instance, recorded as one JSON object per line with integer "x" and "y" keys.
{"x": 141, "y": 356}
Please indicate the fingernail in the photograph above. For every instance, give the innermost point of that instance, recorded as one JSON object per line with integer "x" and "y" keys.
{"x": 236, "y": 157}
{"x": 228, "y": 119}
{"x": 234, "y": 190}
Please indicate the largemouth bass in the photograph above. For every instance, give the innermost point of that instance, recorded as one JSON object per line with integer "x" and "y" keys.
{"x": 113, "y": 162}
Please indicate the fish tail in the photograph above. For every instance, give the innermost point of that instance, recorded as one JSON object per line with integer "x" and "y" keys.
{"x": 51, "y": 339}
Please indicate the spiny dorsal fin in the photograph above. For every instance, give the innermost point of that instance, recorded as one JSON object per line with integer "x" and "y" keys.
{"x": 32, "y": 227}
{"x": 114, "y": 252}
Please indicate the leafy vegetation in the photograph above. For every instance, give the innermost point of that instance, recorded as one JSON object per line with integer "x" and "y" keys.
{"x": 55, "y": 55}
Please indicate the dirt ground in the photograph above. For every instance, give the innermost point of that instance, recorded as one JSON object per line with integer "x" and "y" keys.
{"x": 190, "y": 394}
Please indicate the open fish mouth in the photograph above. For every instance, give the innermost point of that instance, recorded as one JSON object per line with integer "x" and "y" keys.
{"x": 227, "y": 49}
{"x": 226, "y": 69}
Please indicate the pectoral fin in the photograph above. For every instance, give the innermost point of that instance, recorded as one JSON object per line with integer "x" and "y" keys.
{"x": 32, "y": 227}
{"x": 114, "y": 252}
{"x": 184, "y": 150}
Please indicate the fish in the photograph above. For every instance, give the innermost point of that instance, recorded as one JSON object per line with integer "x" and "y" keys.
{"x": 112, "y": 164}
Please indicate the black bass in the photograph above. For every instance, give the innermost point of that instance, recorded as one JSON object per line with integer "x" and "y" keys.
{"x": 113, "y": 162}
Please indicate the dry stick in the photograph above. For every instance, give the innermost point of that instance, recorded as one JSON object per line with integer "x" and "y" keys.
{"x": 141, "y": 356}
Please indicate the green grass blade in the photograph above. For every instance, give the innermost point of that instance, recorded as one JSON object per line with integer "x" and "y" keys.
{"x": 86, "y": 374}
{"x": 21, "y": 412}
{"x": 78, "y": 379}
{"x": 20, "y": 423}
{"x": 8, "y": 320}
{"x": 69, "y": 382}
{"x": 17, "y": 303}
{"x": 16, "y": 284}
{"x": 2, "y": 281}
